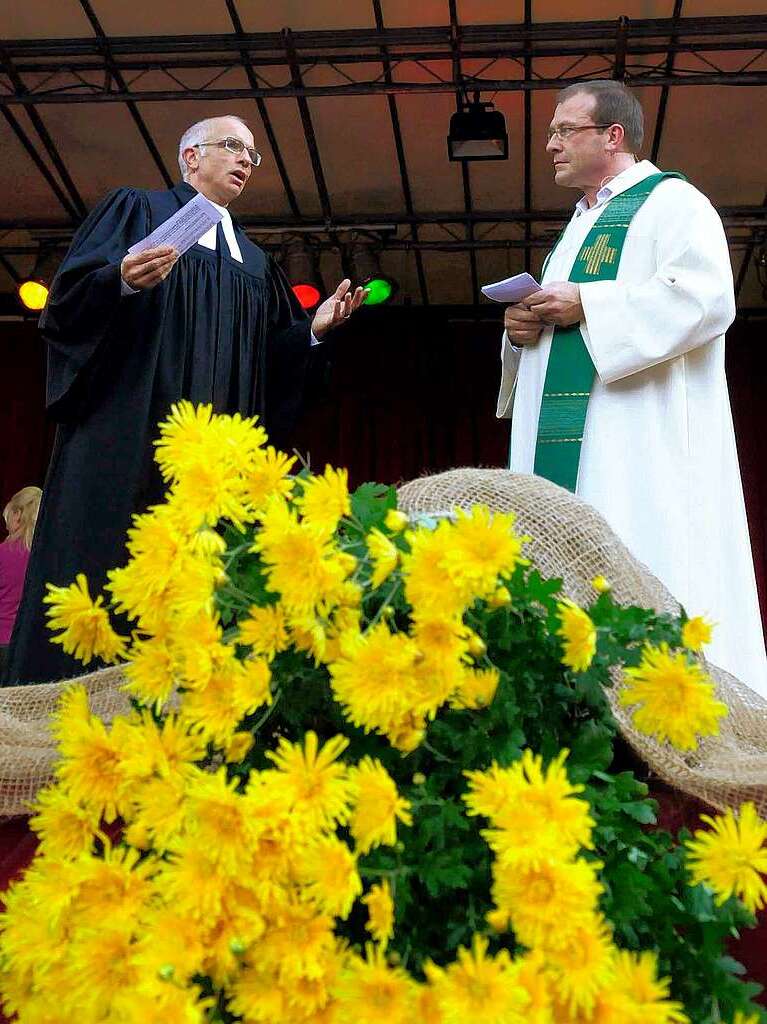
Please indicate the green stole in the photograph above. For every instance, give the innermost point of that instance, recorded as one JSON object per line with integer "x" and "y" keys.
{"x": 570, "y": 371}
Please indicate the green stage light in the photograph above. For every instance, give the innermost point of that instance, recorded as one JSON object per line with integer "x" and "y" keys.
{"x": 380, "y": 290}
{"x": 364, "y": 268}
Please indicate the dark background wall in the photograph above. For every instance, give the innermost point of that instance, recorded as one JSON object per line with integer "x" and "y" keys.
{"x": 395, "y": 394}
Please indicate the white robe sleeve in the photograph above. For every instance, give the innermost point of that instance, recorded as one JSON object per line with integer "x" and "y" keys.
{"x": 687, "y": 302}
{"x": 510, "y": 356}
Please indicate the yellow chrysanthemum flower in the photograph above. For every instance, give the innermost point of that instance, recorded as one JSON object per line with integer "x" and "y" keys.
{"x": 483, "y": 546}
{"x": 374, "y": 679}
{"x": 696, "y": 633}
{"x": 312, "y": 778}
{"x": 91, "y": 766}
{"x": 600, "y": 584}
{"x": 479, "y": 987}
{"x": 429, "y": 589}
{"x": 380, "y": 906}
{"x": 191, "y": 432}
{"x": 384, "y": 555}
{"x": 646, "y": 995}
{"x": 477, "y": 689}
{"x": 268, "y": 476}
{"x": 150, "y": 671}
{"x": 302, "y": 566}
{"x": 325, "y": 500}
{"x": 546, "y": 900}
{"x": 579, "y": 635}
{"x": 732, "y": 858}
{"x": 87, "y": 631}
{"x": 66, "y": 829}
{"x": 580, "y": 969}
{"x": 377, "y": 806}
{"x": 675, "y": 697}
{"x": 327, "y": 869}
{"x": 370, "y": 990}
{"x": 533, "y": 809}
{"x": 264, "y": 630}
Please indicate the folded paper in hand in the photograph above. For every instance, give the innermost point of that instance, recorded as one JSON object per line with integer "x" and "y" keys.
{"x": 184, "y": 228}
{"x": 512, "y": 289}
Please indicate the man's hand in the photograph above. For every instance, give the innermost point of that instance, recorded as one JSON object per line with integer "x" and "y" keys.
{"x": 148, "y": 268}
{"x": 337, "y": 308}
{"x": 558, "y": 303}
{"x": 522, "y": 326}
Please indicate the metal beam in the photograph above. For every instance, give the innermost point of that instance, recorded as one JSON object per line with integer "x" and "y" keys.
{"x": 133, "y": 110}
{"x": 527, "y": 158}
{"x": 266, "y": 120}
{"x": 20, "y": 90}
{"x": 9, "y": 268}
{"x": 743, "y": 271}
{"x": 306, "y": 122}
{"x": 660, "y": 120}
{"x": 400, "y": 148}
{"x": 455, "y": 43}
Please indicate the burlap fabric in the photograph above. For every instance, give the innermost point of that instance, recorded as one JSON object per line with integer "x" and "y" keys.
{"x": 570, "y": 541}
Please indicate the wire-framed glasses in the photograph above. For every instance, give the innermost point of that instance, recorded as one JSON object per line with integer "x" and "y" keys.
{"x": 232, "y": 145}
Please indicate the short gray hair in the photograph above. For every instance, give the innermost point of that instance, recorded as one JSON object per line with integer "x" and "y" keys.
{"x": 196, "y": 134}
{"x": 614, "y": 104}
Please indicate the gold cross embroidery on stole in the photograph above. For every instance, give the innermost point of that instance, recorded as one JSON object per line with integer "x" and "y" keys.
{"x": 597, "y": 254}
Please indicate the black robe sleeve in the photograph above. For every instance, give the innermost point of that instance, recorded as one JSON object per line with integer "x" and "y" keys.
{"x": 288, "y": 354}
{"x": 86, "y": 294}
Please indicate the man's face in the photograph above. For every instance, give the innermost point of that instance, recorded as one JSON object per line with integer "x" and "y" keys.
{"x": 218, "y": 174}
{"x": 580, "y": 160}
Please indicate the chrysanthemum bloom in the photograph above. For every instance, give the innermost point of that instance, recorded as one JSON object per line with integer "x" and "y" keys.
{"x": 429, "y": 588}
{"x": 374, "y": 677}
{"x": 534, "y": 811}
{"x": 87, "y": 631}
{"x": 479, "y": 987}
{"x": 65, "y": 828}
{"x": 91, "y": 767}
{"x": 646, "y": 995}
{"x": 327, "y": 870}
{"x": 264, "y": 630}
{"x": 581, "y": 968}
{"x": 151, "y": 671}
{"x": 579, "y": 635}
{"x": 395, "y": 520}
{"x": 380, "y": 906}
{"x": 384, "y": 556}
{"x": 696, "y": 633}
{"x": 267, "y": 476}
{"x": 675, "y": 697}
{"x": 313, "y": 779}
{"x": 546, "y": 900}
{"x": 732, "y": 858}
{"x": 324, "y": 500}
{"x": 370, "y": 990}
{"x": 377, "y": 806}
{"x": 483, "y": 546}
{"x": 600, "y": 584}
{"x": 476, "y": 689}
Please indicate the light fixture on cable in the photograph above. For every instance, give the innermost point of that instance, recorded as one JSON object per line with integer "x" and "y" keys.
{"x": 300, "y": 265}
{"x": 33, "y": 290}
{"x": 364, "y": 268}
{"x": 477, "y": 132}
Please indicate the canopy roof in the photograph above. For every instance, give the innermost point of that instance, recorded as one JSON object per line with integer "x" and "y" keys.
{"x": 350, "y": 106}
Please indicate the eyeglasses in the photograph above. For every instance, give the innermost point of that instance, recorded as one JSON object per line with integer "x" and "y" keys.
{"x": 232, "y": 145}
{"x": 564, "y": 131}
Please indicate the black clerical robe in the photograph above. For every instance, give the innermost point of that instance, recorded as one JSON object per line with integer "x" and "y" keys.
{"x": 215, "y": 330}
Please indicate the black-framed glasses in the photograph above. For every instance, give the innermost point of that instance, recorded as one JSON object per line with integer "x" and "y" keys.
{"x": 564, "y": 131}
{"x": 237, "y": 146}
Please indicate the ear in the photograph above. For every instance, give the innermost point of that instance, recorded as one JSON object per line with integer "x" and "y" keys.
{"x": 616, "y": 134}
{"x": 191, "y": 157}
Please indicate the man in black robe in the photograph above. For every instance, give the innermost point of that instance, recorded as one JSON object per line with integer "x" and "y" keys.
{"x": 129, "y": 335}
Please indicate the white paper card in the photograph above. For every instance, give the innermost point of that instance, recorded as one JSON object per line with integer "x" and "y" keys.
{"x": 184, "y": 228}
{"x": 511, "y": 289}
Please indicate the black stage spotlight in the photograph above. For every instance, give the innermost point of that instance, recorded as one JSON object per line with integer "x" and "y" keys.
{"x": 300, "y": 266}
{"x": 477, "y": 132}
{"x": 364, "y": 268}
{"x": 33, "y": 290}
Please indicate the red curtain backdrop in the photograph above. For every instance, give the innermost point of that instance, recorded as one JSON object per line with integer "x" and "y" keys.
{"x": 394, "y": 394}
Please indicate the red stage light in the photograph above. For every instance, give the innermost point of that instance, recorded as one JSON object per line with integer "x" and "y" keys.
{"x": 306, "y": 294}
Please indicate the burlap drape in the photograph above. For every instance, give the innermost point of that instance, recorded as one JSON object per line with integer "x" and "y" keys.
{"x": 570, "y": 540}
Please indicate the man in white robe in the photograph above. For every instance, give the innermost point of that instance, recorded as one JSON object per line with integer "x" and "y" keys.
{"x": 658, "y": 457}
